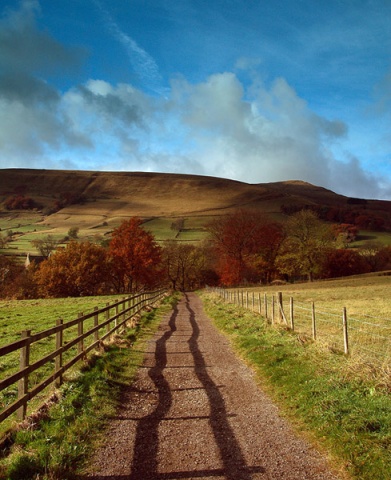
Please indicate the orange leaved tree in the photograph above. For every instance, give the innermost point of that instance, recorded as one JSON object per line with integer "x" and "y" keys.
{"x": 80, "y": 269}
{"x": 135, "y": 257}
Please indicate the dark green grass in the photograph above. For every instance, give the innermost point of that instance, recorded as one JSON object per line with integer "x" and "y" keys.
{"x": 348, "y": 414}
{"x": 75, "y": 425}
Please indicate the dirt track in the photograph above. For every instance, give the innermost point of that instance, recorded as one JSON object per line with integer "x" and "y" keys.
{"x": 195, "y": 411}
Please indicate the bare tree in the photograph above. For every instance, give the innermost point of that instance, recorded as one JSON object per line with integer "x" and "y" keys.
{"x": 45, "y": 246}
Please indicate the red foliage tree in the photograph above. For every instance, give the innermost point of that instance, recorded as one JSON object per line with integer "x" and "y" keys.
{"x": 383, "y": 258}
{"x": 19, "y": 202}
{"x": 344, "y": 262}
{"x": 346, "y": 232}
{"x": 246, "y": 244}
{"x": 136, "y": 257}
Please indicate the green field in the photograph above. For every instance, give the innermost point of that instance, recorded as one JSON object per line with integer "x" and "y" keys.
{"x": 38, "y": 315}
{"x": 27, "y": 227}
{"x": 365, "y": 237}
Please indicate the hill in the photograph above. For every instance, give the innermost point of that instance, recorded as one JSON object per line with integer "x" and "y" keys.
{"x": 97, "y": 201}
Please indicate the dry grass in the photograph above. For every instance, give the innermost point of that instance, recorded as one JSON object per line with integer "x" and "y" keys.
{"x": 368, "y": 304}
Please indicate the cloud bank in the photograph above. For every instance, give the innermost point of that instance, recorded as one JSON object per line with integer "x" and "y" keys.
{"x": 224, "y": 126}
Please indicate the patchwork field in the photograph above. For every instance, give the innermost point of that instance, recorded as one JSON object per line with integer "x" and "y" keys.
{"x": 97, "y": 202}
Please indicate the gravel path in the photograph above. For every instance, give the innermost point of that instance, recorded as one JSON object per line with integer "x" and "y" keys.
{"x": 195, "y": 411}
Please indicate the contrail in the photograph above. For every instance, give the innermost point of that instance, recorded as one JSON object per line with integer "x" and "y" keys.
{"x": 143, "y": 64}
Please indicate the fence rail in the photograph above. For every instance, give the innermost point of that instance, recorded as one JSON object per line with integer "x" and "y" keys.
{"x": 363, "y": 336}
{"x": 65, "y": 337}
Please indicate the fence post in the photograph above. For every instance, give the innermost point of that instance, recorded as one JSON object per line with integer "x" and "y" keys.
{"x": 123, "y": 310}
{"x": 291, "y": 313}
{"x": 345, "y": 331}
{"x": 116, "y": 315}
{"x": 107, "y": 317}
{"x": 80, "y": 345}
{"x": 96, "y": 323}
{"x": 259, "y": 303}
{"x": 280, "y": 307}
{"x": 58, "y": 361}
{"x": 273, "y": 308}
{"x": 313, "y": 322}
{"x": 266, "y": 312}
{"x": 23, "y": 382}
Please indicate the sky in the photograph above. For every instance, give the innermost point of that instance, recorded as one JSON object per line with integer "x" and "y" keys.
{"x": 250, "y": 90}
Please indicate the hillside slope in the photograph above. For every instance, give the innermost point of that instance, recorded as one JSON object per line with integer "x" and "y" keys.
{"x": 110, "y": 196}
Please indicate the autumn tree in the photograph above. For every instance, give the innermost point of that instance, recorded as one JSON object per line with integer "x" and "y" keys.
{"x": 178, "y": 224}
{"x": 370, "y": 251}
{"x": 246, "y": 244}
{"x": 344, "y": 262}
{"x": 307, "y": 243}
{"x": 9, "y": 271}
{"x": 344, "y": 233}
{"x": 186, "y": 266}
{"x": 16, "y": 281}
{"x": 3, "y": 240}
{"x": 269, "y": 248}
{"x": 80, "y": 269}
{"x": 383, "y": 258}
{"x": 136, "y": 257}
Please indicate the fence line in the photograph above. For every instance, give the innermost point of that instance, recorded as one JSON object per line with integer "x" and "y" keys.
{"x": 350, "y": 335}
{"x": 78, "y": 330}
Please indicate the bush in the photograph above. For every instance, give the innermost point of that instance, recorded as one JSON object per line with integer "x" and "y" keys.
{"x": 20, "y": 202}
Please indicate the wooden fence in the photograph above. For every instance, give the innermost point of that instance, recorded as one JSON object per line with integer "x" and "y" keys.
{"x": 366, "y": 336}
{"x": 85, "y": 333}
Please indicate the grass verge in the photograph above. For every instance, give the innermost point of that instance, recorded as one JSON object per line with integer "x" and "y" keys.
{"x": 328, "y": 397}
{"x": 55, "y": 446}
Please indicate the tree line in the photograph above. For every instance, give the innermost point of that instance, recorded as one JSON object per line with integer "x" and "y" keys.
{"x": 242, "y": 247}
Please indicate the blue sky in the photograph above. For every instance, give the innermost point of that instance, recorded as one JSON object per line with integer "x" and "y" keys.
{"x": 250, "y": 90}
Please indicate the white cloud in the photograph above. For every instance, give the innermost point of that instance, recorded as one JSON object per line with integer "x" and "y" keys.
{"x": 221, "y": 126}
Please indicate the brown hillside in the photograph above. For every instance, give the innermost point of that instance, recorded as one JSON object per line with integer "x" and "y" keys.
{"x": 114, "y": 195}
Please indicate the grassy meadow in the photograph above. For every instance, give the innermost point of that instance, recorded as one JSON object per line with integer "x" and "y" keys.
{"x": 367, "y": 301}
{"x": 361, "y": 294}
{"x": 38, "y": 315}
{"x": 343, "y": 408}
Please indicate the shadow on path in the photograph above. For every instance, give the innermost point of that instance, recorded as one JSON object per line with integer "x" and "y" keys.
{"x": 145, "y": 463}
{"x": 147, "y": 441}
{"x": 235, "y": 467}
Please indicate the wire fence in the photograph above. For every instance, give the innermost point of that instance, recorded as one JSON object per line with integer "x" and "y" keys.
{"x": 364, "y": 336}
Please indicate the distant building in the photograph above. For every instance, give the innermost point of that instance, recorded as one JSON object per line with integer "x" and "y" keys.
{"x": 33, "y": 258}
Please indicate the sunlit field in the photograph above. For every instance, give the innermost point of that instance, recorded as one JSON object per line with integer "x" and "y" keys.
{"x": 39, "y": 315}
{"x": 367, "y": 301}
